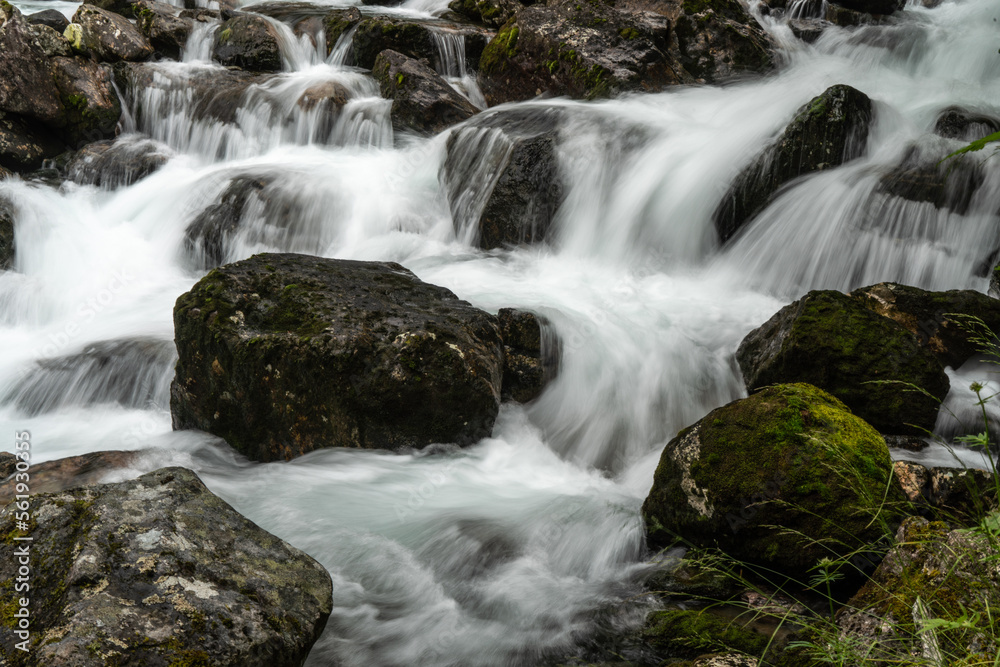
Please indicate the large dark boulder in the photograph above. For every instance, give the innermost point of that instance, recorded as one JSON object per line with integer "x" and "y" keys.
{"x": 120, "y": 7}
{"x": 92, "y": 106}
{"x": 25, "y": 143}
{"x": 379, "y": 33}
{"x": 281, "y": 354}
{"x": 591, "y": 50}
{"x": 930, "y": 316}
{"x": 422, "y": 101}
{"x": 111, "y": 37}
{"x": 782, "y": 479}
{"x": 928, "y": 597}
{"x": 52, "y": 18}
{"x": 26, "y": 87}
{"x": 492, "y": 13}
{"x": 829, "y": 130}
{"x": 249, "y": 42}
{"x": 50, "y": 42}
{"x": 833, "y": 341}
{"x": 162, "y": 24}
{"x": 502, "y": 179}
{"x": 158, "y": 571}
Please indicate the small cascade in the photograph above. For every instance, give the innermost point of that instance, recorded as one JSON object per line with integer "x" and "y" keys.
{"x": 297, "y": 52}
{"x": 807, "y": 9}
{"x": 342, "y": 53}
{"x": 225, "y": 115}
{"x": 451, "y": 64}
{"x": 198, "y": 48}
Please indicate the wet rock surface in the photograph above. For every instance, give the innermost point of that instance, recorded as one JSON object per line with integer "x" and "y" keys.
{"x": 766, "y": 478}
{"x": 249, "y": 42}
{"x": 281, "y": 354}
{"x": 111, "y": 37}
{"x": 160, "y": 571}
{"x": 510, "y": 198}
{"x": 829, "y": 130}
{"x": 422, "y": 101}
{"x": 118, "y": 163}
{"x": 834, "y": 342}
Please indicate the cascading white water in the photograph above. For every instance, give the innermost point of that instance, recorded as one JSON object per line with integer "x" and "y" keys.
{"x": 503, "y": 552}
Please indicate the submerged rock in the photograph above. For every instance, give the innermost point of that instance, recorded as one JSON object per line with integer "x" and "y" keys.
{"x": 829, "y": 130}
{"x": 926, "y": 179}
{"x": 208, "y": 236}
{"x": 834, "y": 342}
{"x": 111, "y": 37}
{"x": 931, "y": 316}
{"x": 249, "y": 42}
{"x": 783, "y": 478}
{"x": 965, "y": 125}
{"x": 422, "y": 101}
{"x": 160, "y": 571}
{"x": 118, "y": 163}
{"x": 502, "y": 177}
{"x": 932, "y": 572}
{"x": 281, "y": 354}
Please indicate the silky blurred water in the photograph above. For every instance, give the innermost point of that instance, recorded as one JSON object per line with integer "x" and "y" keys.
{"x": 506, "y": 551}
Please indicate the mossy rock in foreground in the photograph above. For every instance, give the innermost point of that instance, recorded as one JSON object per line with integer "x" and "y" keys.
{"x": 835, "y": 342}
{"x": 782, "y": 479}
{"x": 933, "y": 576}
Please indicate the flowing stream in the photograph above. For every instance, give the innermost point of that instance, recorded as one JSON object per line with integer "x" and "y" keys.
{"x": 507, "y": 551}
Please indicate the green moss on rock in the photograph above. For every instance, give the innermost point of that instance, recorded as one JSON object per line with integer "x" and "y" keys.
{"x": 782, "y": 478}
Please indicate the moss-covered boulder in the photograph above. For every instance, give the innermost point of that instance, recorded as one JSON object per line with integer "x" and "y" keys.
{"x": 594, "y": 49}
{"x": 937, "y": 319}
{"x": 936, "y": 593}
{"x": 26, "y": 87}
{"x": 492, "y": 13}
{"x": 829, "y": 130}
{"x": 157, "y": 571}
{"x": 249, "y": 42}
{"x": 833, "y": 341}
{"x": 422, "y": 101}
{"x": 380, "y": 33}
{"x": 281, "y": 354}
{"x": 92, "y": 106}
{"x": 783, "y": 478}
{"x": 111, "y": 37}
{"x": 502, "y": 178}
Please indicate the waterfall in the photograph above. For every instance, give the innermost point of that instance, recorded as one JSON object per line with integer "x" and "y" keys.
{"x": 505, "y": 551}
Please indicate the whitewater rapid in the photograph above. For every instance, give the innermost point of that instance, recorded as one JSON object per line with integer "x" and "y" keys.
{"x": 506, "y": 551}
